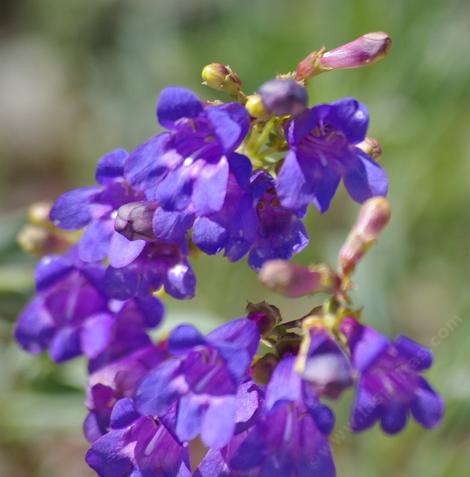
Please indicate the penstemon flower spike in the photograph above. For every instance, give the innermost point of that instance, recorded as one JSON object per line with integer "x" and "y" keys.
{"x": 236, "y": 179}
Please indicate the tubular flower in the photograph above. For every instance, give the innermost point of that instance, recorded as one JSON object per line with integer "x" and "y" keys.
{"x": 323, "y": 151}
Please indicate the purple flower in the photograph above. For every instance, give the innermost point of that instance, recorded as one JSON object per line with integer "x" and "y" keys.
{"x": 72, "y": 314}
{"x": 114, "y": 380}
{"x": 390, "y": 383}
{"x": 186, "y": 169}
{"x": 144, "y": 448}
{"x": 280, "y": 233}
{"x": 202, "y": 379}
{"x": 288, "y": 439}
{"x": 251, "y": 221}
{"x": 159, "y": 264}
{"x": 322, "y": 151}
{"x": 95, "y": 208}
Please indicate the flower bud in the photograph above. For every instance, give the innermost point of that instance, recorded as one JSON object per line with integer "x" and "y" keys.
{"x": 255, "y": 107}
{"x": 294, "y": 281}
{"x": 371, "y": 147}
{"x": 362, "y": 51}
{"x": 222, "y": 78}
{"x": 38, "y": 214}
{"x": 134, "y": 220}
{"x": 39, "y": 241}
{"x": 265, "y": 316}
{"x": 373, "y": 216}
{"x": 283, "y": 96}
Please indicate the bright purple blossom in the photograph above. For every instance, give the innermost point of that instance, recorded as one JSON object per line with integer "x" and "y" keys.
{"x": 159, "y": 264}
{"x": 95, "y": 208}
{"x": 114, "y": 380}
{"x": 252, "y": 221}
{"x": 143, "y": 448}
{"x": 202, "y": 379}
{"x": 288, "y": 439}
{"x": 390, "y": 384}
{"x": 186, "y": 169}
{"x": 72, "y": 314}
{"x": 323, "y": 151}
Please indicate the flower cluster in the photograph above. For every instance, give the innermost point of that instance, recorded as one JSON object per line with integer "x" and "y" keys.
{"x": 235, "y": 178}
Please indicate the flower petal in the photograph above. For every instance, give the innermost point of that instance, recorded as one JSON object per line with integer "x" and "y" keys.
{"x": 175, "y": 103}
{"x": 364, "y": 178}
{"x": 71, "y": 211}
{"x": 111, "y": 166}
{"x": 122, "y": 251}
{"x": 210, "y": 187}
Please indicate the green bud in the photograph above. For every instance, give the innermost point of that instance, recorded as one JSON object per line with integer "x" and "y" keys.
{"x": 221, "y": 78}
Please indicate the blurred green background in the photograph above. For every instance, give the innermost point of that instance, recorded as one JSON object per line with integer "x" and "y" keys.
{"x": 80, "y": 77}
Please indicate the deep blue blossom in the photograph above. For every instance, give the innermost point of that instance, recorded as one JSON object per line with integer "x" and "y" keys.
{"x": 142, "y": 448}
{"x": 202, "y": 379}
{"x": 158, "y": 265}
{"x": 186, "y": 168}
{"x": 72, "y": 314}
{"x": 390, "y": 384}
{"x": 322, "y": 151}
{"x": 95, "y": 208}
{"x": 252, "y": 221}
{"x": 113, "y": 380}
{"x": 288, "y": 438}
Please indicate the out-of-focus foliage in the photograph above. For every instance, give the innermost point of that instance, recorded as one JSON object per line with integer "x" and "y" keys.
{"x": 80, "y": 77}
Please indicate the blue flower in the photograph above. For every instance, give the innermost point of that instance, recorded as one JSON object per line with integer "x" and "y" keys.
{"x": 390, "y": 384}
{"x": 111, "y": 380}
{"x": 202, "y": 378}
{"x": 95, "y": 208}
{"x": 186, "y": 169}
{"x": 252, "y": 221}
{"x": 322, "y": 151}
{"x": 143, "y": 448}
{"x": 72, "y": 314}
{"x": 287, "y": 439}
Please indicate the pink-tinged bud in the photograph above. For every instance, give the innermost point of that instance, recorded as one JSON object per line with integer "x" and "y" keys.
{"x": 372, "y": 219}
{"x": 134, "y": 220}
{"x": 265, "y": 316}
{"x": 222, "y": 78}
{"x": 371, "y": 147}
{"x": 363, "y": 51}
{"x": 294, "y": 281}
{"x": 309, "y": 66}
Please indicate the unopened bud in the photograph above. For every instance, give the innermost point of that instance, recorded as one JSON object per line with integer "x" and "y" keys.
{"x": 293, "y": 281}
{"x": 134, "y": 220}
{"x": 255, "y": 107}
{"x": 265, "y": 316}
{"x": 362, "y": 51}
{"x": 38, "y": 214}
{"x": 372, "y": 219}
{"x": 222, "y": 78}
{"x": 40, "y": 241}
{"x": 371, "y": 147}
{"x": 284, "y": 96}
